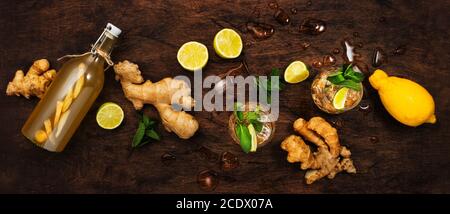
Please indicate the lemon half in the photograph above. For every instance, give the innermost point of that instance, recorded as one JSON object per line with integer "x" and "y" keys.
{"x": 228, "y": 43}
{"x": 192, "y": 56}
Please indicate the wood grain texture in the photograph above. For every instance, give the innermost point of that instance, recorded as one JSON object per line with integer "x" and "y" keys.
{"x": 404, "y": 160}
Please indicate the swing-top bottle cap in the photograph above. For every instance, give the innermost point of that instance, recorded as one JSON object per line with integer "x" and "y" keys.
{"x": 115, "y": 31}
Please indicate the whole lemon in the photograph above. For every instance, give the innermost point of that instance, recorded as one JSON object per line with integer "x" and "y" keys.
{"x": 407, "y": 101}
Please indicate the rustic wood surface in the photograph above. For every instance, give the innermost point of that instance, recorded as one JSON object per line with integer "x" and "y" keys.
{"x": 403, "y": 160}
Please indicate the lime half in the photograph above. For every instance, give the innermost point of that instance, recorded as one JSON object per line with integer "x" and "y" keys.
{"x": 254, "y": 141}
{"x": 339, "y": 98}
{"x": 228, "y": 43}
{"x": 109, "y": 115}
{"x": 296, "y": 72}
{"x": 192, "y": 56}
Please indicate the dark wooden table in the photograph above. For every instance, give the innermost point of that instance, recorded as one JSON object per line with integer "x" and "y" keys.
{"x": 403, "y": 160}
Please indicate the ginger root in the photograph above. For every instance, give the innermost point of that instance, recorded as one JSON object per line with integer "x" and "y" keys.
{"x": 330, "y": 157}
{"x": 160, "y": 94}
{"x": 300, "y": 126}
{"x": 299, "y": 152}
{"x": 34, "y": 83}
{"x": 329, "y": 134}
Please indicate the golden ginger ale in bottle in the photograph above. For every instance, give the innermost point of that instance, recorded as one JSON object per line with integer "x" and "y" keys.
{"x": 69, "y": 97}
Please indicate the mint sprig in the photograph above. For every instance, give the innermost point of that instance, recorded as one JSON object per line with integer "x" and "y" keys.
{"x": 347, "y": 77}
{"x": 242, "y": 122}
{"x": 145, "y": 132}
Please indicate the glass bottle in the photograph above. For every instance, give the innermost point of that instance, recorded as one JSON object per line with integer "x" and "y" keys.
{"x": 70, "y": 96}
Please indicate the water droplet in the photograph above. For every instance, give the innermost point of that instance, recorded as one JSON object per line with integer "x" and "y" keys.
{"x": 294, "y": 10}
{"x": 355, "y": 34}
{"x": 349, "y": 53}
{"x": 373, "y": 139}
{"x": 364, "y": 106}
{"x": 229, "y": 161}
{"x": 336, "y": 51}
{"x": 400, "y": 50}
{"x": 317, "y": 63}
{"x": 282, "y": 17}
{"x": 309, "y": 3}
{"x": 260, "y": 30}
{"x": 378, "y": 57}
{"x": 305, "y": 45}
{"x": 382, "y": 19}
{"x": 273, "y": 5}
{"x": 329, "y": 60}
{"x": 207, "y": 180}
{"x": 312, "y": 26}
{"x": 168, "y": 158}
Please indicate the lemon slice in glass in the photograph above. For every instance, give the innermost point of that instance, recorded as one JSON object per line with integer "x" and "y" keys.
{"x": 228, "y": 43}
{"x": 192, "y": 56}
{"x": 296, "y": 72}
{"x": 109, "y": 115}
{"x": 254, "y": 140}
{"x": 339, "y": 98}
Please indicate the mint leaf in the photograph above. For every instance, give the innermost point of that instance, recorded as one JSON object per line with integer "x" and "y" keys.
{"x": 339, "y": 73}
{"x": 275, "y": 72}
{"x": 238, "y": 112}
{"x": 346, "y": 67}
{"x": 252, "y": 115}
{"x": 357, "y": 77}
{"x": 142, "y": 143}
{"x": 146, "y": 120}
{"x": 240, "y": 115}
{"x": 244, "y": 137}
{"x": 151, "y": 133}
{"x": 257, "y": 125}
{"x": 349, "y": 72}
{"x": 139, "y": 135}
{"x": 351, "y": 84}
{"x": 336, "y": 79}
{"x": 149, "y": 123}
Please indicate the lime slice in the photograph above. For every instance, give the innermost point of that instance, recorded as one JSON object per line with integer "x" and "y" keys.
{"x": 339, "y": 98}
{"x": 192, "y": 56}
{"x": 296, "y": 72}
{"x": 228, "y": 44}
{"x": 109, "y": 115}
{"x": 254, "y": 140}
